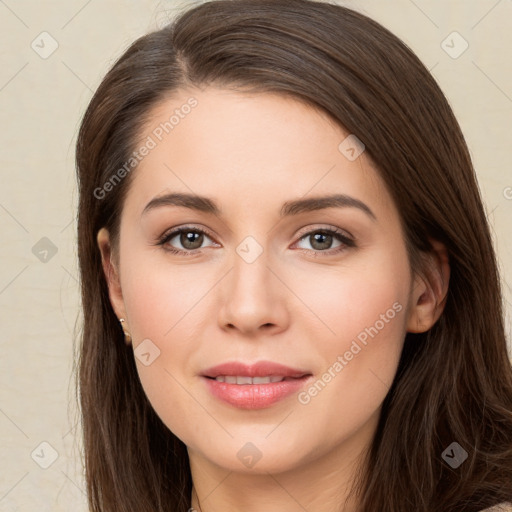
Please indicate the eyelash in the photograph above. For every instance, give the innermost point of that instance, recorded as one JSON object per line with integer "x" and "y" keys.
{"x": 345, "y": 240}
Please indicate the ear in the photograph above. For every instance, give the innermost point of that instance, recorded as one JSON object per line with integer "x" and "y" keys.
{"x": 429, "y": 293}
{"x": 111, "y": 274}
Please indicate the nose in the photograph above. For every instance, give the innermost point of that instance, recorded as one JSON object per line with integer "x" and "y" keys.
{"x": 253, "y": 297}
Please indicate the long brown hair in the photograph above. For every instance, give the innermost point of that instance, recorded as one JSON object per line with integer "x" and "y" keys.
{"x": 454, "y": 382}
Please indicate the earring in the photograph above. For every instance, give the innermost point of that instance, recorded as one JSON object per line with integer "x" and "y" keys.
{"x": 127, "y": 335}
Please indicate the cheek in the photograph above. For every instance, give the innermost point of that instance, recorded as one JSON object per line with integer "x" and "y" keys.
{"x": 169, "y": 305}
{"x": 160, "y": 298}
{"x": 360, "y": 337}
{"x": 345, "y": 301}
{"x": 164, "y": 305}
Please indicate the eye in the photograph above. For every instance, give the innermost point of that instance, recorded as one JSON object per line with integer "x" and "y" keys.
{"x": 189, "y": 238}
{"x": 321, "y": 240}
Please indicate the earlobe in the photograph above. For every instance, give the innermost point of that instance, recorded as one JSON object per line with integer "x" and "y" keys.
{"x": 111, "y": 273}
{"x": 428, "y": 297}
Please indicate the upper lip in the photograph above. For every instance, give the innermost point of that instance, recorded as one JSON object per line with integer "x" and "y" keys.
{"x": 259, "y": 369}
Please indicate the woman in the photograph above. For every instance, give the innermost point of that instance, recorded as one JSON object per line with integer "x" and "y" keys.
{"x": 291, "y": 299}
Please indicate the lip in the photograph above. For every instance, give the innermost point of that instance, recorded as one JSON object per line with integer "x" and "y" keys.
{"x": 254, "y": 396}
{"x": 259, "y": 369}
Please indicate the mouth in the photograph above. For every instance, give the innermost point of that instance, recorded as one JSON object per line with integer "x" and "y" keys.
{"x": 255, "y": 386}
{"x": 245, "y": 380}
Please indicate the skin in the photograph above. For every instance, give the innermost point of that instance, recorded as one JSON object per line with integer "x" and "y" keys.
{"x": 252, "y": 153}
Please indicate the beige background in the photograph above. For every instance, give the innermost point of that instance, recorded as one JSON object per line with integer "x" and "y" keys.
{"x": 41, "y": 103}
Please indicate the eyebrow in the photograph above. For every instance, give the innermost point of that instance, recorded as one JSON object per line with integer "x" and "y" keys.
{"x": 208, "y": 205}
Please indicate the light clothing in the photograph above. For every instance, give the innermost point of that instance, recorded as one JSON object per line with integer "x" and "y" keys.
{"x": 502, "y": 507}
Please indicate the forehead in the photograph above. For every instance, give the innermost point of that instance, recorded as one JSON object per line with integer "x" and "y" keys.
{"x": 249, "y": 147}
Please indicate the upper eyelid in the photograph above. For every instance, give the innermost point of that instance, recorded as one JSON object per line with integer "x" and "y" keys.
{"x": 334, "y": 229}
{"x": 171, "y": 233}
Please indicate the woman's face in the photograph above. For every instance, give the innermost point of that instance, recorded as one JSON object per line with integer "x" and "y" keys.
{"x": 267, "y": 281}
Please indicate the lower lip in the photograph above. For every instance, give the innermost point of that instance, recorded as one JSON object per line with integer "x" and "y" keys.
{"x": 255, "y": 396}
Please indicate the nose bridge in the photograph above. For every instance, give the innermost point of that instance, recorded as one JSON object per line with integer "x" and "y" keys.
{"x": 251, "y": 263}
{"x": 250, "y": 295}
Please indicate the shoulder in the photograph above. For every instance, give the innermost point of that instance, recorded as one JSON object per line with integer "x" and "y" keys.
{"x": 502, "y": 507}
